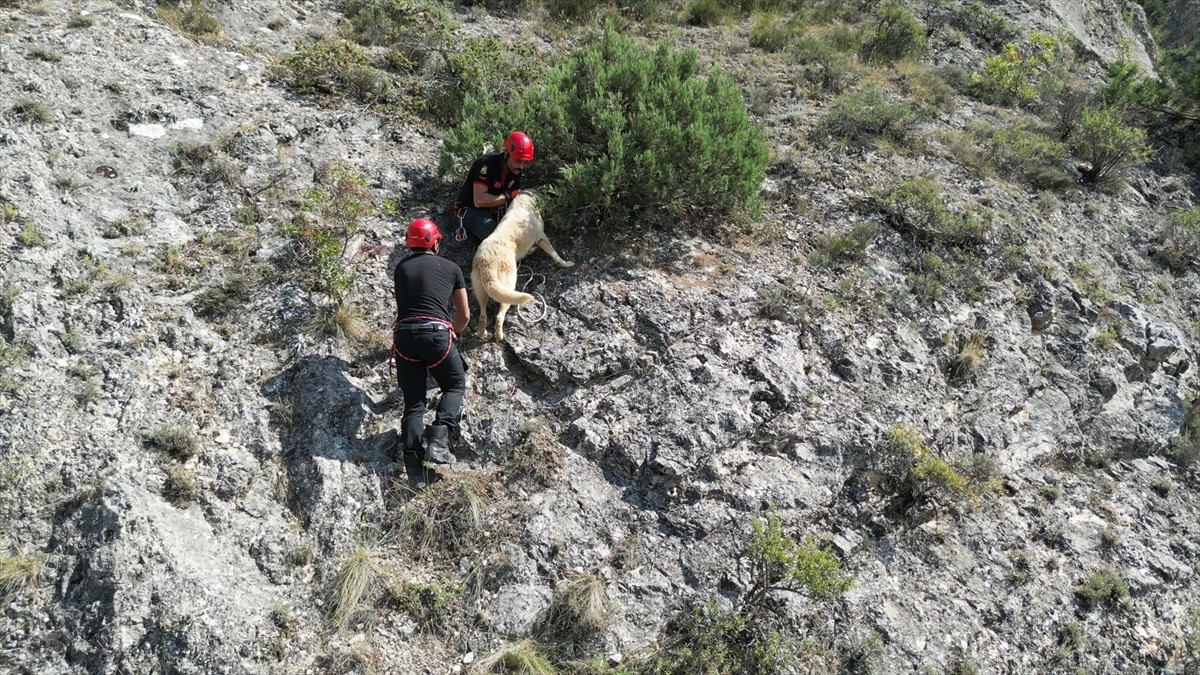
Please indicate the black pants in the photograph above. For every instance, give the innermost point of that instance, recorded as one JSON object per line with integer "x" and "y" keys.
{"x": 479, "y": 223}
{"x": 419, "y": 349}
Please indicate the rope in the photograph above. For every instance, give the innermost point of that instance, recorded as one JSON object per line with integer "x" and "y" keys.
{"x": 524, "y": 288}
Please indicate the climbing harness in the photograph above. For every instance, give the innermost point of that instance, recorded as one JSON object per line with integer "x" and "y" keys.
{"x": 419, "y": 321}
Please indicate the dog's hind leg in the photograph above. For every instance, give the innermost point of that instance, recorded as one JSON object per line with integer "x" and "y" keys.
{"x": 481, "y": 297}
{"x": 546, "y": 246}
{"x": 500, "y": 321}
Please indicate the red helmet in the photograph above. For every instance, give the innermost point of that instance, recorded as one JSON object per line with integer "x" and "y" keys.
{"x": 519, "y": 145}
{"x": 422, "y": 233}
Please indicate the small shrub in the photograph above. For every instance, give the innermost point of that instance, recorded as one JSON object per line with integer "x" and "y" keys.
{"x": 916, "y": 207}
{"x": 12, "y": 355}
{"x": 916, "y": 471}
{"x": 414, "y": 24}
{"x": 333, "y": 69}
{"x": 175, "y": 440}
{"x": 45, "y": 54}
{"x": 779, "y": 563}
{"x": 71, "y": 342}
{"x": 709, "y": 639}
{"x": 180, "y": 487}
{"x": 193, "y": 18}
{"x": 338, "y": 203}
{"x": 833, "y": 249}
{"x": 30, "y": 236}
{"x": 1179, "y": 240}
{"x": 31, "y": 112}
{"x": 1107, "y": 338}
{"x": 1109, "y": 148}
{"x": 898, "y": 35}
{"x": 357, "y": 585}
{"x": 8, "y": 298}
{"x": 1011, "y": 76}
{"x": 771, "y": 32}
{"x": 866, "y": 116}
{"x": 81, "y": 21}
{"x": 19, "y": 572}
{"x": 9, "y": 213}
{"x": 231, "y": 292}
{"x": 431, "y": 605}
{"x": 981, "y": 22}
{"x": 821, "y": 65}
{"x": 706, "y": 12}
{"x": 1101, "y": 589}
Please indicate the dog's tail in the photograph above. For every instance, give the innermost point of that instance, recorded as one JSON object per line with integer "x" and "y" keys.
{"x": 501, "y": 294}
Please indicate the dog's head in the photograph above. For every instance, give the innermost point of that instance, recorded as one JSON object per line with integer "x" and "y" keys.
{"x": 527, "y": 199}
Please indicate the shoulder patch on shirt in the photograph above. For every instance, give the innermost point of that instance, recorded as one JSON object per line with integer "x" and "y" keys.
{"x": 483, "y": 170}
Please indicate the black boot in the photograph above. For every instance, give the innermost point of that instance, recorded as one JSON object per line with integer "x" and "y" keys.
{"x": 415, "y": 469}
{"x": 437, "y": 444}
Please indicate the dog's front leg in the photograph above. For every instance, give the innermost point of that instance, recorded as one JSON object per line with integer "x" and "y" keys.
{"x": 546, "y": 246}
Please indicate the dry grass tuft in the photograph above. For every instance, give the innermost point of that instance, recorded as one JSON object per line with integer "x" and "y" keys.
{"x": 523, "y": 657}
{"x": 578, "y": 610}
{"x": 448, "y": 517}
{"x": 19, "y": 572}
{"x": 357, "y": 585}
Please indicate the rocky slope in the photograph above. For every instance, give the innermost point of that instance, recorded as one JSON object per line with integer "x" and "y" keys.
{"x": 193, "y": 466}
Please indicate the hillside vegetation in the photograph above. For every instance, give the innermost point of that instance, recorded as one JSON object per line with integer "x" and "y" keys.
{"x": 880, "y": 355}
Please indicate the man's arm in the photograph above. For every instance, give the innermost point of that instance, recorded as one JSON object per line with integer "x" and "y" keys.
{"x": 462, "y": 310}
{"x": 486, "y": 200}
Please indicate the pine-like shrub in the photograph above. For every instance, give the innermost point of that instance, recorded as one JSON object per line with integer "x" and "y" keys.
{"x": 627, "y": 133}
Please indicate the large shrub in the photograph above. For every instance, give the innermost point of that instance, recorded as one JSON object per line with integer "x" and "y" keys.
{"x": 898, "y": 35}
{"x": 626, "y": 133}
{"x": 1108, "y": 146}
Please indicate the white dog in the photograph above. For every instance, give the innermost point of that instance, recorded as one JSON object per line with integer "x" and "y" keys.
{"x": 494, "y": 270}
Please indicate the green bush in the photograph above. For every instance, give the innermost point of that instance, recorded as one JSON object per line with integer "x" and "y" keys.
{"x": 833, "y": 249}
{"x": 175, "y": 440}
{"x": 771, "y": 32}
{"x": 1108, "y": 146}
{"x": 821, "y": 65}
{"x": 1179, "y": 240}
{"x": 387, "y": 22}
{"x": 485, "y": 67}
{"x": 1021, "y": 150}
{"x": 713, "y": 640}
{"x": 706, "y": 12}
{"x": 338, "y": 203}
{"x": 981, "y": 22}
{"x": 865, "y": 116}
{"x": 1011, "y": 76}
{"x": 1101, "y": 589}
{"x": 333, "y": 69}
{"x": 777, "y": 562}
{"x": 630, "y": 133}
{"x": 916, "y": 207}
{"x": 898, "y": 35}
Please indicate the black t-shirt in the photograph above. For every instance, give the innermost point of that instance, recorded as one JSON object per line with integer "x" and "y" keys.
{"x": 424, "y": 284}
{"x": 490, "y": 172}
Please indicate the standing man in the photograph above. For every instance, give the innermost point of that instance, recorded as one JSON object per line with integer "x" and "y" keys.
{"x": 492, "y": 183}
{"x": 429, "y": 291}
